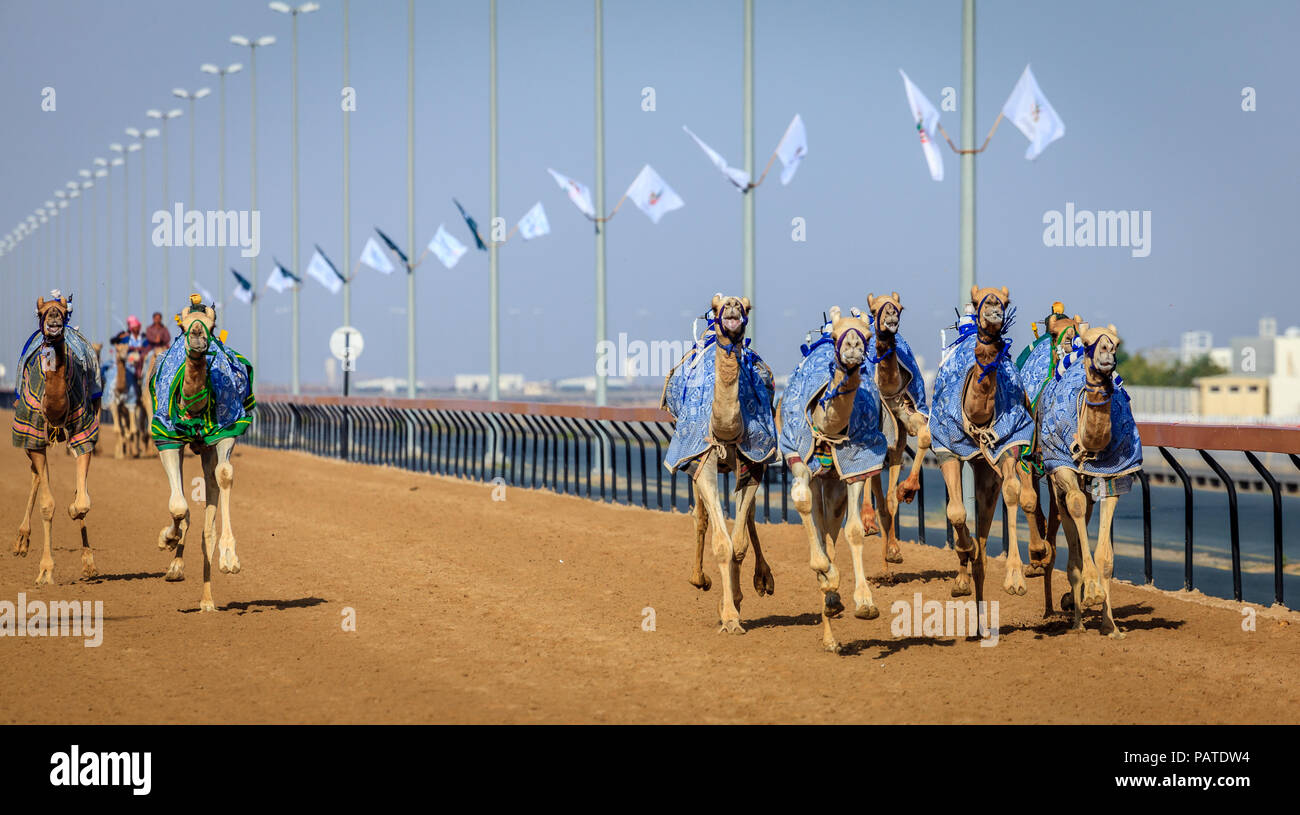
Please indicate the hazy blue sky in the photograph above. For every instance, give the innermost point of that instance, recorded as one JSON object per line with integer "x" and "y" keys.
{"x": 1150, "y": 93}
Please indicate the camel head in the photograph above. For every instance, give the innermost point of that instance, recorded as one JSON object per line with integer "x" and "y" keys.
{"x": 990, "y": 309}
{"x": 1062, "y": 328}
{"x": 850, "y": 337}
{"x": 53, "y": 315}
{"x": 1101, "y": 343}
{"x": 885, "y": 311}
{"x": 198, "y": 322}
{"x": 732, "y": 315}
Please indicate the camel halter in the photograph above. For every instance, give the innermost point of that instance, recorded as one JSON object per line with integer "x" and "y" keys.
{"x": 848, "y": 372}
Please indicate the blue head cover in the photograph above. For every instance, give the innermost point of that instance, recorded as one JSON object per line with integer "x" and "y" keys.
{"x": 688, "y": 396}
{"x": 863, "y": 451}
{"x": 1058, "y": 412}
{"x": 907, "y": 361}
{"x": 1012, "y": 424}
{"x": 230, "y": 405}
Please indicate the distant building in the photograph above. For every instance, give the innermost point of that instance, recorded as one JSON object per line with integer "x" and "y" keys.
{"x": 1233, "y": 395}
{"x": 1194, "y": 345}
{"x": 1284, "y": 383}
{"x": 480, "y": 383}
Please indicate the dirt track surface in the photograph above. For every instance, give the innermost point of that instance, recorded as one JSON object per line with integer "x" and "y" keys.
{"x": 530, "y": 610}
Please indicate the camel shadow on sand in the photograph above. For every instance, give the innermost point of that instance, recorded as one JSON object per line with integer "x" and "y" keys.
{"x": 259, "y": 606}
{"x": 105, "y": 578}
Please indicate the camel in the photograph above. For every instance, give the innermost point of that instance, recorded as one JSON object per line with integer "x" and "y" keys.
{"x": 979, "y": 415}
{"x": 902, "y": 391}
{"x": 1090, "y": 449}
{"x": 58, "y": 400}
{"x": 724, "y": 424}
{"x": 828, "y": 423}
{"x": 204, "y": 398}
{"x": 127, "y": 406}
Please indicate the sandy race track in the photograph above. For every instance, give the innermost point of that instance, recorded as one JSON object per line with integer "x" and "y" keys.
{"x": 530, "y": 610}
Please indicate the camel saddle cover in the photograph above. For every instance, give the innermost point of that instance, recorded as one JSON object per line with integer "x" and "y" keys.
{"x": 861, "y": 450}
{"x": 1059, "y": 409}
{"x": 688, "y": 396}
{"x": 230, "y": 405}
{"x": 913, "y": 381}
{"x": 1012, "y": 425}
{"x": 85, "y": 388}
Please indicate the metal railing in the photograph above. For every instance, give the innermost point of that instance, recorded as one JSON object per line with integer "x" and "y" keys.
{"x": 616, "y": 455}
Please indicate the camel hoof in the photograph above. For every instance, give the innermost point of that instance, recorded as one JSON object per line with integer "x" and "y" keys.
{"x": 893, "y": 554}
{"x": 46, "y": 576}
{"x": 22, "y": 544}
{"x": 907, "y": 490}
{"x": 1014, "y": 584}
{"x": 229, "y": 561}
{"x": 731, "y": 627}
{"x": 834, "y": 607}
{"x": 165, "y": 539}
{"x": 1067, "y": 602}
{"x": 1034, "y": 569}
{"x": 703, "y": 583}
{"x": 207, "y": 605}
{"x": 866, "y": 612}
{"x": 1116, "y": 634}
{"x": 88, "y": 571}
{"x": 176, "y": 571}
{"x": 764, "y": 583}
{"x": 960, "y": 588}
{"x": 831, "y": 647}
{"x": 1093, "y": 594}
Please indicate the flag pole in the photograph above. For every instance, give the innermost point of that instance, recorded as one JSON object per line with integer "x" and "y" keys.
{"x": 966, "y": 268}
{"x": 347, "y": 177}
{"x": 494, "y": 269}
{"x": 748, "y": 204}
{"x": 410, "y": 196}
{"x": 600, "y": 199}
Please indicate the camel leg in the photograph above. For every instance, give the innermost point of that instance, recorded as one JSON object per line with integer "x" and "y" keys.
{"x": 986, "y": 498}
{"x": 225, "y": 478}
{"x": 706, "y": 491}
{"x": 887, "y": 504}
{"x": 24, "y": 540}
{"x": 887, "y": 520}
{"x": 78, "y": 510}
{"x": 1105, "y": 559}
{"x": 698, "y": 578}
{"x": 740, "y": 527}
{"x": 119, "y": 421}
{"x": 41, "y": 463}
{"x": 208, "y": 458}
{"x": 173, "y": 536}
{"x": 918, "y": 426}
{"x": 807, "y": 500}
{"x": 864, "y": 607}
{"x": 965, "y": 547}
{"x": 764, "y": 582}
{"x": 1085, "y": 584}
{"x": 1012, "y": 498}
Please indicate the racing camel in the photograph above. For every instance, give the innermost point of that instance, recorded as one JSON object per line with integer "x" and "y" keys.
{"x": 203, "y": 397}
{"x": 720, "y": 394}
{"x": 979, "y": 415}
{"x": 828, "y": 424}
{"x": 58, "y": 401}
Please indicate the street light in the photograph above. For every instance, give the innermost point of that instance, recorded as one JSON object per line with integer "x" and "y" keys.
{"x": 165, "y": 118}
{"x": 221, "y": 73}
{"x": 305, "y": 8}
{"x": 101, "y": 171}
{"x": 143, "y": 135}
{"x": 252, "y": 46}
{"x": 181, "y": 93}
{"x": 126, "y": 219}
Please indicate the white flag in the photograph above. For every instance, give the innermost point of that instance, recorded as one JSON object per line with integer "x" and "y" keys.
{"x": 578, "y": 194}
{"x": 1030, "y": 111}
{"x": 324, "y": 273}
{"x": 792, "y": 149}
{"x": 281, "y": 279}
{"x": 243, "y": 295}
{"x": 373, "y": 256}
{"x": 534, "y": 223}
{"x": 738, "y": 177}
{"x": 927, "y": 126}
{"x": 652, "y": 195}
{"x": 446, "y": 248}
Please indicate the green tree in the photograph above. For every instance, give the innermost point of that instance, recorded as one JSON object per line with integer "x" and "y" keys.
{"x": 1138, "y": 370}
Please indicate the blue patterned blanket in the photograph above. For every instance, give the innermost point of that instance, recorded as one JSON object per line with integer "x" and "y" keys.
{"x": 863, "y": 451}
{"x": 907, "y": 359}
{"x": 688, "y": 396}
{"x": 1058, "y": 412}
{"x": 1012, "y": 424}
{"x": 230, "y": 406}
{"x": 130, "y": 397}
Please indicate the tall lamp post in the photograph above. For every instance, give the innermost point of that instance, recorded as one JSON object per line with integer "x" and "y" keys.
{"x": 252, "y": 46}
{"x": 143, "y": 136}
{"x": 126, "y": 218}
{"x": 294, "y": 13}
{"x": 164, "y": 118}
{"x": 221, "y": 73}
{"x": 181, "y": 93}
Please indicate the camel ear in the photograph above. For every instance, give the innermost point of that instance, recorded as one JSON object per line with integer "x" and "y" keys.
{"x": 40, "y": 303}
{"x": 1077, "y": 318}
{"x": 1111, "y": 328}
{"x": 835, "y": 313}
{"x": 871, "y": 301}
{"x": 974, "y": 290}
{"x": 1006, "y": 295}
{"x": 717, "y": 301}
{"x": 744, "y": 301}
{"x": 896, "y": 297}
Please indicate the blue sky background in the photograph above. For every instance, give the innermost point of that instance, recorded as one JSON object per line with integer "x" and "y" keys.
{"x": 1150, "y": 93}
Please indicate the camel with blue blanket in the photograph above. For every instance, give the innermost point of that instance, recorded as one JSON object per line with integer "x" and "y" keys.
{"x": 828, "y": 424}
{"x": 57, "y": 401}
{"x": 720, "y": 394}
{"x": 980, "y": 415}
{"x": 1090, "y": 448}
{"x": 203, "y": 397}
